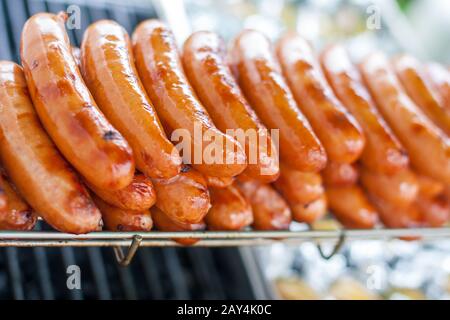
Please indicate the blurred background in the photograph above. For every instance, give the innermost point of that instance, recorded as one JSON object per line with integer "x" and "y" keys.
{"x": 375, "y": 269}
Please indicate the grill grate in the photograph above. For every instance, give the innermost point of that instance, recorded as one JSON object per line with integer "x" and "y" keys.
{"x": 155, "y": 273}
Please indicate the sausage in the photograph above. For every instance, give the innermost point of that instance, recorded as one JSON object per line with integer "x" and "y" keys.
{"x": 338, "y": 131}
{"x": 138, "y": 195}
{"x": 33, "y": 163}
{"x": 435, "y": 210}
{"x": 3, "y": 199}
{"x": 107, "y": 67}
{"x": 440, "y": 78}
{"x": 164, "y": 223}
{"x": 17, "y": 215}
{"x": 340, "y": 174}
{"x": 117, "y": 219}
{"x": 311, "y": 211}
{"x": 428, "y": 186}
{"x": 412, "y": 76}
{"x": 205, "y": 66}
{"x": 351, "y": 207}
{"x": 400, "y": 189}
{"x": 270, "y": 210}
{"x": 184, "y": 198}
{"x": 66, "y": 108}
{"x": 427, "y": 146}
{"x": 299, "y": 187}
{"x": 76, "y": 52}
{"x": 216, "y": 182}
{"x": 257, "y": 73}
{"x": 395, "y": 216}
{"x": 382, "y": 152}
{"x": 180, "y": 111}
{"x": 229, "y": 210}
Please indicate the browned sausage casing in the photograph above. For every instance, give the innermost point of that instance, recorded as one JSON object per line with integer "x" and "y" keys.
{"x": 17, "y": 215}
{"x": 427, "y": 146}
{"x": 164, "y": 223}
{"x": 429, "y": 187}
{"x": 270, "y": 211}
{"x": 33, "y": 163}
{"x": 216, "y": 182}
{"x": 160, "y": 69}
{"x": 440, "y": 78}
{"x": 117, "y": 219}
{"x": 66, "y": 108}
{"x": 382, "y": 152}
{"x": 417, "y": 85}
{"x": 229, "y": 210}
{"x": 338, "y": 131}
{"x": 340, "y": 174}
{"x": 351, "y": 207}
{"x": 394, "y": 216}
{"x": 206, "y": 68}
{"x": 184, "y": 198}
{"x": 400, "y": 189}
{"x": 138, "y": 195}
{"x": 108, "y": 68}
{"x": 435, "y": 210}
{"x": 258, "y": 75}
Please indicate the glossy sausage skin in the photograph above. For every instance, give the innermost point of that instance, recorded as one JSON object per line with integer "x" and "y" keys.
{"x": 440, "y": 78}
{"x": 427, "y": 146}
{"x": 229, "y": 210}
{"x": 184, "y": 198}
{"x": 351, "y": 207}
{"x": 164, "y": 223}
{"x": 429, "y": 187}
{"x": 338, "y": 131}
{"x": 300, "y": 187}
{"x": 76, "y": 52}
{"x": 382, "y": 152}
{"x": 394, "y": 216}
{"x": 340, "y": 174}
{"x": 435, "y": 210}
{"x": 33, "y": 163}
{"x": 17, "y": 215}
{"x": 216, "y": 182}
{"x": 309, "y": 212}
{"x": 117, "y": 219}
{"x": 108, "y": 68}
{"x": 414, "y": 79}
{"x": 66, "y": 108}
{"x": 258, "y": 75}
{"x": 3, "y": 200}
{"x": 138, "y": 195}
{"x": 160, "y": 69}
{"x": 270, "y": 211}
{"x": 400, "y": 189}
{"x": 205, "y": 66}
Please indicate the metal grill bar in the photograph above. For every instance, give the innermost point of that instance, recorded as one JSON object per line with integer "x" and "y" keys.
{"x": 15, "y": 274}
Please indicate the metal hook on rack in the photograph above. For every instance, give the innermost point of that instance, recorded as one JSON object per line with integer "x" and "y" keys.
{"x": 124, "y": 260}
{"x": 335, "y": 250}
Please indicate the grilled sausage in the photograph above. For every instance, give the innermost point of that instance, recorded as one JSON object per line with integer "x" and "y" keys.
{"x": 340, "y": 174}
{"x": 309, "y": 212}
{"x": 440, "y": 78}
{"x": 394, "y": 216}
{"x": 33, "y": 163}
{"x": 160, "y": 69}
{"x": 351, "y": 207}
{"x": 414, "y": 79}
{"x": 338, "y": 131}
{"x": 117, "y": 219}
{"x": 107, "y": 67}
{"x": 257, "y": 73}
{"x": 435, "y": 210}
{"x": 138, "y": 195}
{"x": 229, "y": 210}
{"x": 3, "y": 199}
{"x": 270, "y": 211}
{"x": 427, "y": 146}
{"x": 164, "y": 223}
{"x": 76, "y": 52}
{"x": 205, "y": 66}
{"x": 400, "y": 189}
{"x": 17, "y": 215}
{"x": 66, "y": 108}
{"x": 183, "y": 198}
{"x": 428, "y": 186}
{"x": 382, "y": 152}
{"x": 216, "y": 182}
